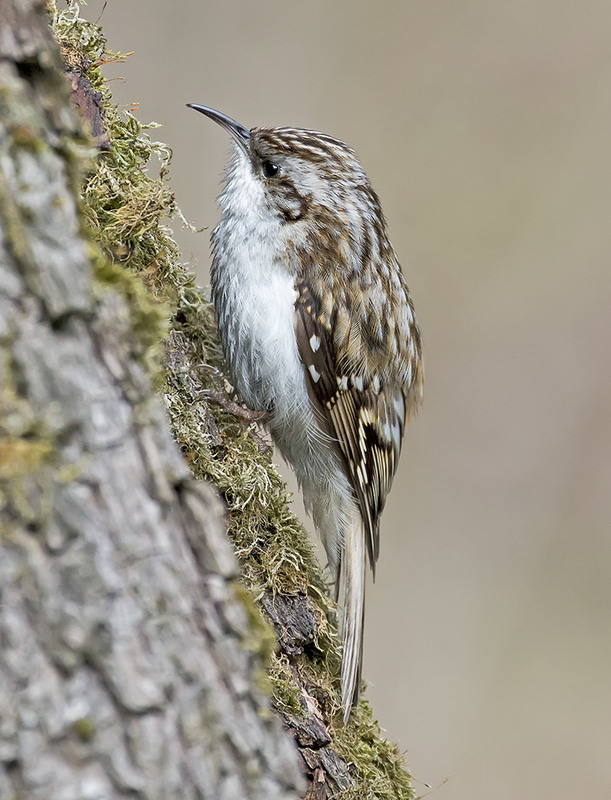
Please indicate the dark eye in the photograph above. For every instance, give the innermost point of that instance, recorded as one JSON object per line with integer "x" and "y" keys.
{"x": 270, "y": 170}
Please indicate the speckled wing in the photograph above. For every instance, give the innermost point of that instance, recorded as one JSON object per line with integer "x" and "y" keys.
{"x": 362, "y": 412}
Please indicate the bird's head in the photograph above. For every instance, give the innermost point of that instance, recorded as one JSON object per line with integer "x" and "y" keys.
{"x": 293, "y": 175}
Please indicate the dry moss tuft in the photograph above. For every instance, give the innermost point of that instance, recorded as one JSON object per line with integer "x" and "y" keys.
{"x": 127, "y": 211}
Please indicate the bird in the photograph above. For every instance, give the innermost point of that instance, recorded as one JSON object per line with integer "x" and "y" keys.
{"x": 320, "y": 335}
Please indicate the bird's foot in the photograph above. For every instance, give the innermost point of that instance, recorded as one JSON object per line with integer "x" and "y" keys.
{"x": 223, "y": 400}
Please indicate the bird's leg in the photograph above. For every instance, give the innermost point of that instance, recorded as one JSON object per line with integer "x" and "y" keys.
{"x": 222, "y": 399}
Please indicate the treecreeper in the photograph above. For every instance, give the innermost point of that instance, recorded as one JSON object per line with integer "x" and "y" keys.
{"x": 319, "y": 333}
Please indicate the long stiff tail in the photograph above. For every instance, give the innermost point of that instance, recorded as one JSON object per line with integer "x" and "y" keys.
{"x": 352, "y": 591}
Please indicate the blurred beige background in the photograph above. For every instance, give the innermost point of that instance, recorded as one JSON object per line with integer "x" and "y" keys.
{"x": 485, "y": 127}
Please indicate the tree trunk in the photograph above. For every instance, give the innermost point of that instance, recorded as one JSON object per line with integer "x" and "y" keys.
{"x": 132, "y": 659}
{"x": 122, "y": 666}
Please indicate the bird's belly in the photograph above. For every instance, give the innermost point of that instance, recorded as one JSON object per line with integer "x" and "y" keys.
{"x": 255, "y": 299}
{"x": 260, "y": 343}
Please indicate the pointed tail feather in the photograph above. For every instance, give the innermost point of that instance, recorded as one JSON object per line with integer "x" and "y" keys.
{"x": 353, "y": 607}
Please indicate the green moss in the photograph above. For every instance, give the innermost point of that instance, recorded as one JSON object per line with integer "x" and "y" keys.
{"x": 27, "y": 457}
{"x": 148, "y": 316}
{"x": 126, "y": 210}
{"x": 379, "y": 764}
{"x": 123, "y": 208}
{"x": 84, "y": 728}
{"x": 26, "y": 441}
{"x": 260, "y": 639}
{"x": 25, "y": 137}
{"x": 20, "y": 456}
{"x": 286, "y": 694}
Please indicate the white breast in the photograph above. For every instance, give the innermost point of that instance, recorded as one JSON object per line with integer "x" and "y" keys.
{"x": 256, "y": 316}
{"x": 254, "y": 295}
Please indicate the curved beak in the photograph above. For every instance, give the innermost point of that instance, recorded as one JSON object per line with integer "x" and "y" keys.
{"x": 239, "y": 132}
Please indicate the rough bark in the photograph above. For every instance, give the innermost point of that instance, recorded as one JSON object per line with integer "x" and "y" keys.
{"x": 129, "y": 656}
{"x": 123, "y": 671}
